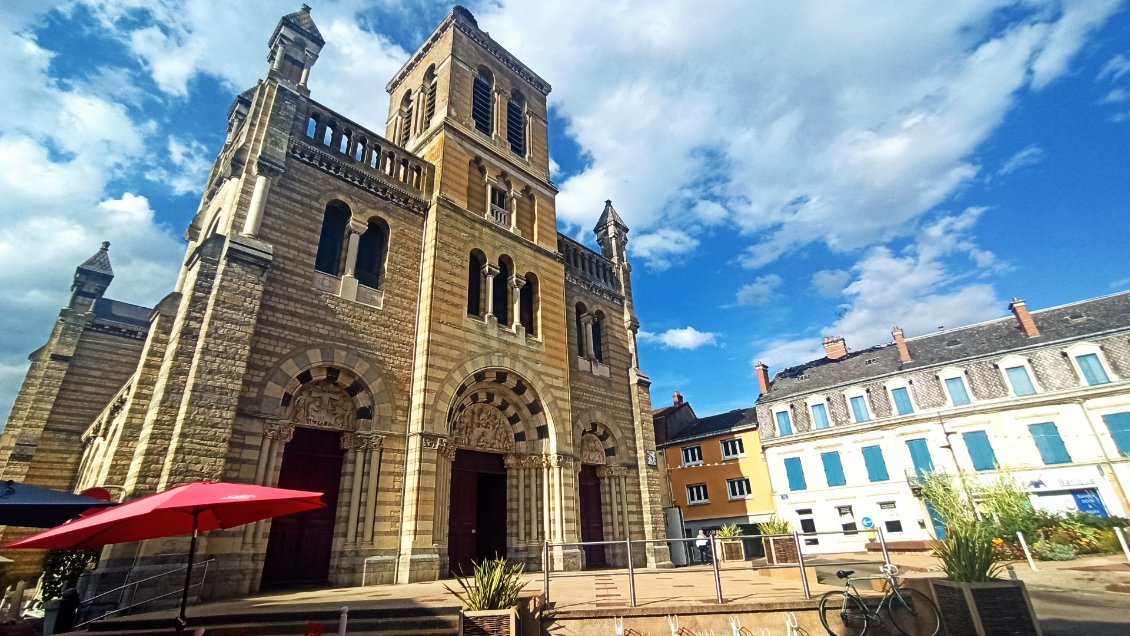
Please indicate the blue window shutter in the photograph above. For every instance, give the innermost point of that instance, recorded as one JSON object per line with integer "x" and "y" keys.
{"x": 820, "y": 416}
{"x": 876, "y": 466}
{"x": 795, "y": 471}
{"x": 956, "y": 389}
{"x": 902, "y": 401}
{"x": 920, "y": 456}
{"x": 1021, "y": 383}
{"x": 1119, "y": 425}
{"x": 784, "y": 423}
{"x": 833, "y": 468}
{"x": 859, "y": 408}
{"x": 1049, "y": 443}
{"x": 1093, "y": 371}
{"x": 980, "y": 450}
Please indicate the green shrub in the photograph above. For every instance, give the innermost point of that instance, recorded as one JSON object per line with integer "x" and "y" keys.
{"x": 967, "y": 554}
{"x": 1046, "y": 550}
{"x": 776, "y": 525}
{"x": 729, "y": 531}
{"x": 61, "y": 569}
{"x": 494, "y": 585}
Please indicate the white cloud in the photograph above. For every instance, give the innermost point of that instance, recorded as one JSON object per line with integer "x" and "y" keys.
{"x": 1029, "y": 156}
{"x": 842, "y": 124}
{"x": 760, "y": 291}
{"x": 190, "y": 166}
{"x": 1115, "y": 68}
{"x": 1116, "y": 96}
{"x": 830, "y": 283}
{"x": 662, "y": 248}
{"x": 685, "y": 338}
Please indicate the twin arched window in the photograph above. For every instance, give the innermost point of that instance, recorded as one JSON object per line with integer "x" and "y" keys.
{"x": 590, "y": 337}
{"x": 502, "y": 290}
{"x": 372, "y": 247}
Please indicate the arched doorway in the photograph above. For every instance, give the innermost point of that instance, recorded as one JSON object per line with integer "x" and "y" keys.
{"x": 591, "y": 501}
{"x": 298, "y": 549}
{"x": 477, "y": 528}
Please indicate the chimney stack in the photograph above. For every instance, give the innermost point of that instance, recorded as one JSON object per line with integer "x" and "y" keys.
{"x": 1023, "y": 318}
{"x": 835, "y": 347}
{"x": 900, "y": 342}
{"x": 678, "y": 398}
{"x": 762, "y": 377}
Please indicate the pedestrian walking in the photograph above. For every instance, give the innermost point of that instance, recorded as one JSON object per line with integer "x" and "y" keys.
{"x": 702, "y": 542}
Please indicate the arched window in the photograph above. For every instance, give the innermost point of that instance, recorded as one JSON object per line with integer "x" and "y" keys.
{"x": 475, "y": 283}
{"x": 597, "y": 341}
{"x": 516, "y": 124}
{"x": 332, "y": 240}
{"x": 429, "y": 95}
{"x": 312, "y": 127}
{"x": 528, "y": 304}
{"x": 328, "y": 135}
{"x": 343, "y": 145}
{"x": 405, "y": 119}
{"x": 500, "y": 295}
{"x": 359, "y": 149}
{"x": 371, "y": 252}
{"x": 482, "y": 97}
{"x": 580, "y": 313}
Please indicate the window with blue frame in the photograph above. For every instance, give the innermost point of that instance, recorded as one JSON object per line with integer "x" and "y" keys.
{"x": 955, "y": 387}
{"x": 1092, "y": 368}
{"x": 859, "y": 408}
{"x": 784, "y": 423}
{"x": 1020, "y": 380}
{"x": 1049, "y": 443}
{"x": 820, "y": 416}
{"x": 1119, "y": 425}
{"x": 795, "y": 472}
{"x": 980, "y": 450}
{"x": 876, "y": 465}
{"x": 833, "y": 468}
{"x": 902, "y": 401}
{"x": 920, "y": 456}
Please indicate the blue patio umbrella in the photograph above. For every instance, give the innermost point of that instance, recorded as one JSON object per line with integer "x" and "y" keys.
{"x": 35, "y": 507}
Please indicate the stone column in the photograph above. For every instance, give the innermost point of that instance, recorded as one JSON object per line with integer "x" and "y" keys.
{"x": 512, "y": 204}
{"x": 356, "y": 463}
{"x": 489, "y": 272}
{"x": 263, "y": 179}
{"x": 373, "y": 445}
{"x": 349, "y": 282}
{"x": 516, "y": 284}
{"x": 307, "y": 62}
{"x": 498, "y": 112}
{"x": 586, "y": 323}
{"x": 275, "y": 436}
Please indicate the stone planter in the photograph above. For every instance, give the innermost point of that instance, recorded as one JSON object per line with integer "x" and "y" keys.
{"x": 780, "y": 550}
{"x": 489, "y": 622}
{"x": 731, "y": 549}
{"x": 984, "y": 609}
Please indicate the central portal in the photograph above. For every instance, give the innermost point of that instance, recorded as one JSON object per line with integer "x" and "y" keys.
{"x": 477, "y": 527}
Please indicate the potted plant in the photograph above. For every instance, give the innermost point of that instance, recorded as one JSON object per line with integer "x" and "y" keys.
{"x": 779, "y": 549}
{"x": 490, "y": 598}
{"x": 973, "y": 600}
{"x": 730, "y": 539}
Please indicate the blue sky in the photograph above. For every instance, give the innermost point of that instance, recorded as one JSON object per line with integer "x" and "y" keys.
{"x": 788, "y": 170}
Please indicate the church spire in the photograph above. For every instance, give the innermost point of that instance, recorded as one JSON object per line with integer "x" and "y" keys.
{"x": 612, "y": 234}
{"x": 91, "y": 279}
{"x": 294, "y": 47}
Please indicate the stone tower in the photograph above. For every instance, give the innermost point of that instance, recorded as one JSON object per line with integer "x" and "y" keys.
{"x": 396, "y": 322}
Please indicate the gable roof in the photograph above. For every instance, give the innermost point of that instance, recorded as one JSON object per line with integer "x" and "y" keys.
{"x": 732, "y": 421}
{"x": 1076, "y": 321}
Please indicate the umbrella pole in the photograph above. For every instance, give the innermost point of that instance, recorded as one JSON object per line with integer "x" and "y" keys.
{"x": 182, "y": 620}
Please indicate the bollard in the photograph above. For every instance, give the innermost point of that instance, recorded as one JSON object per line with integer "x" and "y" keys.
{"x": 1122, "y": 540}
{"x": 545, "y": 574}
{"x": 631, "y": 573}
{"x": 1027, "y": 553}
{"x": 343, "y": 622}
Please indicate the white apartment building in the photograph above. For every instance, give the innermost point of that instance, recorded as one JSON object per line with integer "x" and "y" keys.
{"x": 1044, "y": 396}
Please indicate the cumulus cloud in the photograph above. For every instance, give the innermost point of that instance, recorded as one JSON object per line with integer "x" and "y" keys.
{"x": 843, "y": 124}
{"x": 1115, "y": 68}
{"x": 685, "y": 338}
{"x": 190, "y": 164}
{"x": 760, "y": 291}
{"x": 830, "y": 283}
{"x": 663, "y": 247}
{"x": 1029, "y": 156}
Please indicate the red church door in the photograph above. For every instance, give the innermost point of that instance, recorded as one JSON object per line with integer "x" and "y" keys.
{"x": 592, "y": 516}
{"x": 298, "y": 549}
{"x": 477, "y": 523}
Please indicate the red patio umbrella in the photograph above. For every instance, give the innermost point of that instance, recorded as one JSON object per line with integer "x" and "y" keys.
{"x": 187, "y": 509}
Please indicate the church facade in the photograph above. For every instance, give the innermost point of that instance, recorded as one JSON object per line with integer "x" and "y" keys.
{"x": 391, "y": 319}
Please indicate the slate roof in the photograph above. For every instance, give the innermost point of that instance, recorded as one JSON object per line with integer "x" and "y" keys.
{"x": 117, "y": 311}
{"x": 302, "y": 22}
{"x": 609, "y": 217}
{"x": 100, "y": 262}
{"x": 738, "y": 419}
{"x": 1076, "y": 321}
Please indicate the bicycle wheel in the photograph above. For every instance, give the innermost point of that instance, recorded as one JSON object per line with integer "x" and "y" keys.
{"x": 913, "y": 613}
{"x": 843, "y": 615}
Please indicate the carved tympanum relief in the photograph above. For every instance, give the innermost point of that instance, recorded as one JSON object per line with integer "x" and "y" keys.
{"x": 482, "y": 427}
{"x": 592, "y": 450}
{"x": 323, "y": 405}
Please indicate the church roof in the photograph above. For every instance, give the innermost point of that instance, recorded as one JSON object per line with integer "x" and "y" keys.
{"x": 302, "y": 22}
{"x": 100, "y": 262}
{"x": 609, "y": 217}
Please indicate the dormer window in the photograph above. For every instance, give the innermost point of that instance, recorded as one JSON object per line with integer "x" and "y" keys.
{"x": 482, "y": 98}
{"x": 1019, "y": 374}
{"x": 857, "y": 402}
{"x": 1089, "y": 364}
{"x": 784, "y": 423}
{"x": 957, "y": 391}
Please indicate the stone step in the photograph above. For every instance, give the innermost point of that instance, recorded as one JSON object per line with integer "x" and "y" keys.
{"x": 376, "y": 621}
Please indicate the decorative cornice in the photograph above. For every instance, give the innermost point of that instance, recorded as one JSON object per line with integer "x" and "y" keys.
{"x": 315, "y": 158}
{"x": 593, "y": 287}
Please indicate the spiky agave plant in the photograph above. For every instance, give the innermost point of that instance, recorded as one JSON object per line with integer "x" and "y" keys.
{"x": 494, "y": 584}
{"x": 967, "y": 553}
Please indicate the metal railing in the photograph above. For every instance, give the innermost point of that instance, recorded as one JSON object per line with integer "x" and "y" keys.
{"x": 797, "y": 537}
{"x": 129, "y": 590}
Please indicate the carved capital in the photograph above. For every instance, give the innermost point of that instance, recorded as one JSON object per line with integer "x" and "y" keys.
{"x": 517, "y": 282}
{"x": 491, "y": 270}
{"x": 441, "y": 444}
{"x": 605, "y": 472}
{"x": 279, "y": 431}
{"x": 357, "y": 226}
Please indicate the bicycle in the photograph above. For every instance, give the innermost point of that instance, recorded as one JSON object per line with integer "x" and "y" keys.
{"x": 846, "y": 613}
